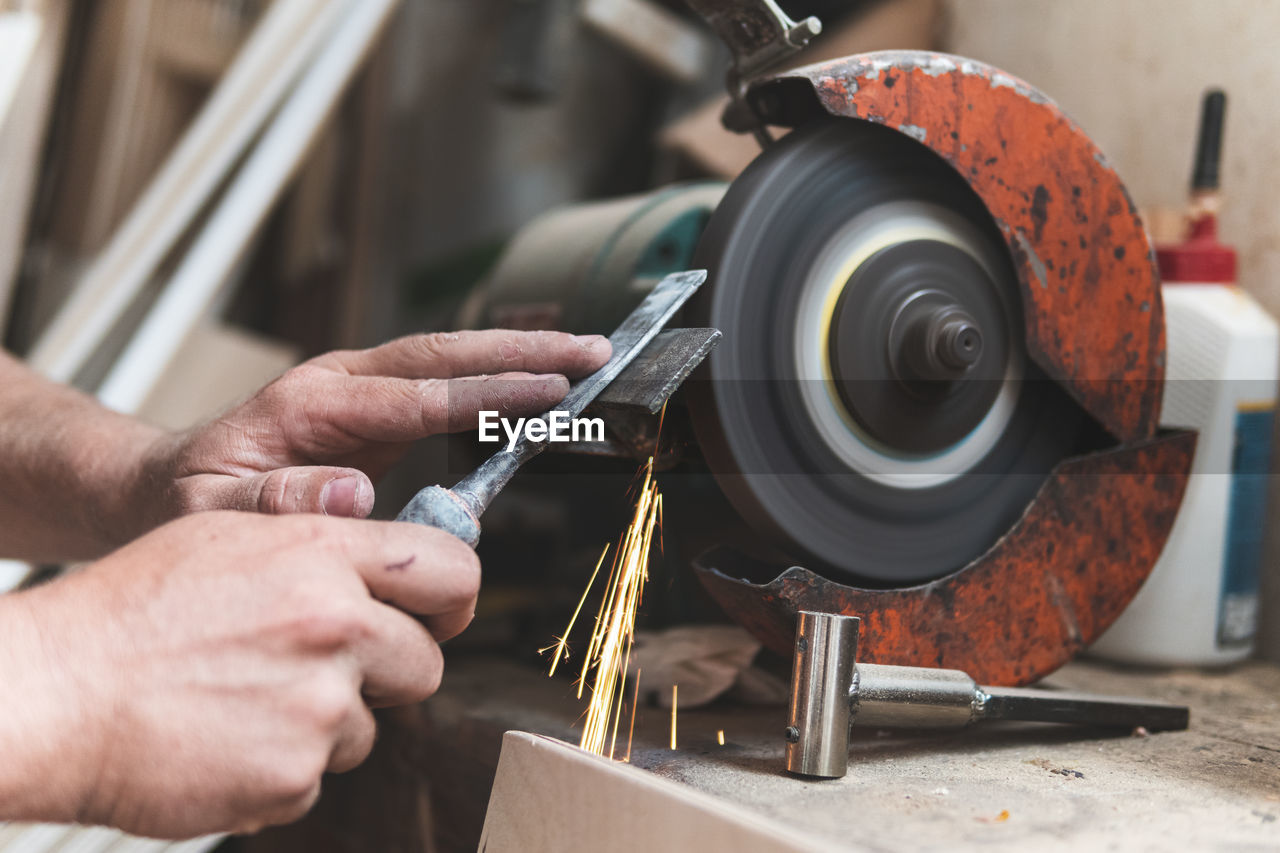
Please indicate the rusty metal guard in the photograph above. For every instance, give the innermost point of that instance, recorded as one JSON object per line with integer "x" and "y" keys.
{"x": 1094, "y": 317}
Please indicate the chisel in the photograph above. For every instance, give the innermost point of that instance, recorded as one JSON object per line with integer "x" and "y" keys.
{"x": 458, "y": 510}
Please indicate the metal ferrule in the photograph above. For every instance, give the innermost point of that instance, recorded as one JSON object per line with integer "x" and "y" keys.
{"x": 912, "y": 697}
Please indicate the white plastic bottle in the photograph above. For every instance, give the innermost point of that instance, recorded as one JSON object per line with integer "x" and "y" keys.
{"x": 1200, "y": 604}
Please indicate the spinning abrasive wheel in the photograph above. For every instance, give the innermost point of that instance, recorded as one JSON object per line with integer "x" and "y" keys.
{"x": 875, "y": 410}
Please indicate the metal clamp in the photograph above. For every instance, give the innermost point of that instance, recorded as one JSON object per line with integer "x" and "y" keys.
{"x": 758, "y": 32}
{"x": 760, "y": 35}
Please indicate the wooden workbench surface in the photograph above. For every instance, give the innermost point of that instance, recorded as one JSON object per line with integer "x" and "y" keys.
{"x": 1216, "y": 786}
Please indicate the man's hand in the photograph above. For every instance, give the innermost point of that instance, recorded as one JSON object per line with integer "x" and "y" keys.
{"x": 204, "y": 677}
{"x": 314, "y": 440}
{"x": 79, "y": 481}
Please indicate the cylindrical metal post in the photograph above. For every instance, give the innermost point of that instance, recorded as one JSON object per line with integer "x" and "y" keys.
{"x": 817, "y": 730}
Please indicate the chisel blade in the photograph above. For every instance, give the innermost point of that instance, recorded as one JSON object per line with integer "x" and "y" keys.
{"x": 661, "y": 367}
{"x": 634, "y": 334}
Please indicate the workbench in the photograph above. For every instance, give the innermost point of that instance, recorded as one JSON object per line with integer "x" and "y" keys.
{"x": 998, "y": 786}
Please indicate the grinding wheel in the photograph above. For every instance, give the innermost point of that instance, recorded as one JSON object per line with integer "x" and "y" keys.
{"x": 868, "y": 387}
{"x": 874, "y": 410}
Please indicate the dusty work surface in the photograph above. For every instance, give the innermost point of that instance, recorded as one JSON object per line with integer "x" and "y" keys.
{"x": 1216, "y": 786}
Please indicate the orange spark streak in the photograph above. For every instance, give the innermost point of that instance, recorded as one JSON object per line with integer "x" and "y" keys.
{"x": 617, "y": 714}
{"x": 720, "y": 737}
{"x": 560, "y": 647}
{"x": 631, "y": 731}
{"x": 675, "y": 689}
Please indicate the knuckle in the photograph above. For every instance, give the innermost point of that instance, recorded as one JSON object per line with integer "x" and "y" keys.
{"x": 301, "y": 374}
{"x": 435, "y": 345}
{"x": 456, "y": 574}
{"x": 430, "y": 675}
{"x": 291, "y": 387}
{"x": 511, "y": 347}
{"x": 464, "y": 573}
{"x": 468, "y": 573}
{"x": 334, "y": 360}
{"x": 273, "y": 498}
{"x": 433, "y": 400}
{"x": 328, "y": 623}
{"x": 315, "y": 532}
{"x": 190, "y": 501}
{"x": 422, "y": 674}
{"x": 213, "y": 528}
{"x": 296, "y": 783}
{"x": 552, "y": 339}
{"x": 328, "y": 701}
{"x": 282, "y": 388}
{"x": 363, "y": 736}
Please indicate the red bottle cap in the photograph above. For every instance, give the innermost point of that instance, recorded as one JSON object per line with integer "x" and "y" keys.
{"x": 1201, "y": 259}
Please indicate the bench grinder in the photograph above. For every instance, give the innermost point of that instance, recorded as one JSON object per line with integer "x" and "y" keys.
{"x": 938, "y": 388}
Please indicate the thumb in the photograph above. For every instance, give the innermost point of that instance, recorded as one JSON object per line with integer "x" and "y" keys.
{"x": 344, "y": 492}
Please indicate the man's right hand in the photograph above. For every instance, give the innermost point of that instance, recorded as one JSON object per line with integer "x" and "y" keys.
{"x": 204, "y": 677}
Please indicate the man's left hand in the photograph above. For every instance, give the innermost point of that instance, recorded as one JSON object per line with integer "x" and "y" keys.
{"x": 316, "y": 439}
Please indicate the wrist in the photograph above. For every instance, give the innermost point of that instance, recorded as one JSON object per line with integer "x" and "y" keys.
{"x": 152, "y": 484}
{"x": 52, "y": 746}
{"x": 131, "y": 475}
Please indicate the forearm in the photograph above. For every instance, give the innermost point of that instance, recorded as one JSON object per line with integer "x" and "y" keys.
{"x": 71, "y": 472}
{"x": 49, "y": 745}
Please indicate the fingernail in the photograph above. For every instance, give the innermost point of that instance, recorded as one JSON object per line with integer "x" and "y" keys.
{"x": 339, "y": 496}
{"x": 589, "y": 341}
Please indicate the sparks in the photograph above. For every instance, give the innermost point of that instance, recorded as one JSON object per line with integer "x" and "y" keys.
{"x": 675, "y": 690}
{"x": 720, "y": 737}
{"x": 631, "y": 730}
{"x": 561, "y": 647}
{"x": 608, "y": 655}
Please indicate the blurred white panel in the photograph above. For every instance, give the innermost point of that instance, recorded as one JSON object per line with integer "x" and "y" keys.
{"x": 19, "y": 32}
{"x": 90, "y": 839}
{"x": 12, "y": 573}
{"x": 37, "y": 839}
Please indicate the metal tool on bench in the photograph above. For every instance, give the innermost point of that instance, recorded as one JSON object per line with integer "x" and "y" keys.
{"x": 830, "y": 691}
{"x": 635, "y": 350}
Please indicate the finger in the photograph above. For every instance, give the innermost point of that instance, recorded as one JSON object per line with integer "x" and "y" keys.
{"x": 399, "y": 410}
{"x": 355, "y": 739}
{"x": 446, "y": 626}
{"x": 262, "y": 815}
{"x": 401, "y": 662}
{"x": 449, "y": 355}
{"x": 417, "y": 569}
{"x": 342, "y": 492}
